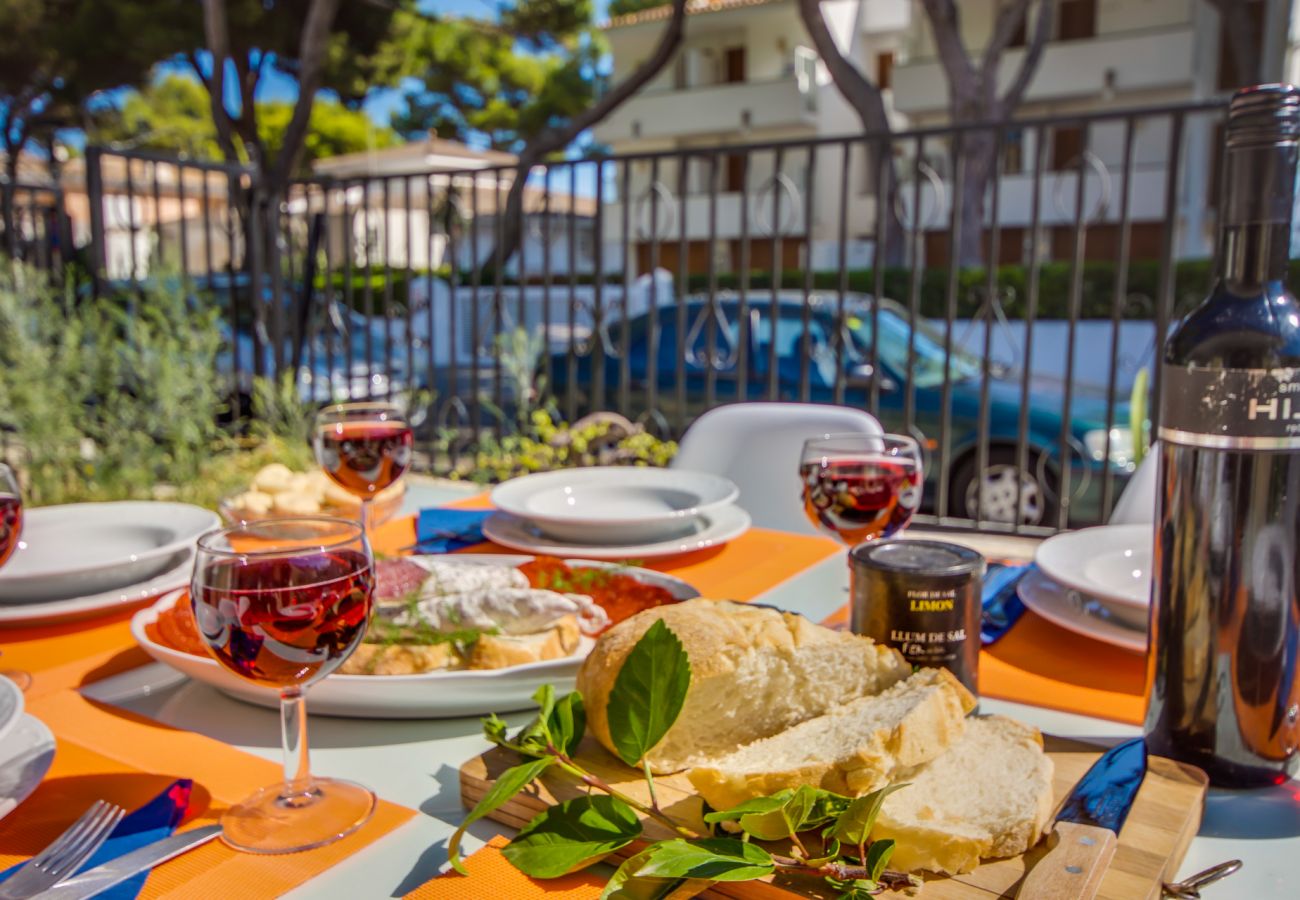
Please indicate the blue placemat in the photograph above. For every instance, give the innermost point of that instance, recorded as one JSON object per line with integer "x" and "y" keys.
{"x": 443, "y": 530}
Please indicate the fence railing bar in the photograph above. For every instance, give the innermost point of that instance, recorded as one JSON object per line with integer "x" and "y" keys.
{"x": 1116, "y": 311}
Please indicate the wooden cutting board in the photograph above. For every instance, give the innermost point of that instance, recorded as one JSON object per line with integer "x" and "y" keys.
{"x": 1161, "y": 825}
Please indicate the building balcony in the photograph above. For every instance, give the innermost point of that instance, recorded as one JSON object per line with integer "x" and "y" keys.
{"x": 735, "y": 109}
{"x": 1126, "y": 61}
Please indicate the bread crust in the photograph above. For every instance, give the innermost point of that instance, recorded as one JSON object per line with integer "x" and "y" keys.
{"x": 928, "y": 729}
{"x": 717, "y": 635}
{"x": 499, "y": 651}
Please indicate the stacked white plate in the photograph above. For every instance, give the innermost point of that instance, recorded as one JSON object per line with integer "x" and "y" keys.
{"x": 1096, "y": 582}
{"x": 87, "y": 559}
{"x": 616, "y": 512}
{"x": 26, "y": 748}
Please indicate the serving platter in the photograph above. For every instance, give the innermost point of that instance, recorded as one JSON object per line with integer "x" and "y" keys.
{"x": 1155, "y": 838}
{"x": 80, "y": 549}
{"x": 429, "y": 695}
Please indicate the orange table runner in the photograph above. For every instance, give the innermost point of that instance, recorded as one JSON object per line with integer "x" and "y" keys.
{"x": 491, "y": 877}
{"x": 1040, "y": 664}
{"x": 70, "y": 654}
{"x": 109, "y": 753}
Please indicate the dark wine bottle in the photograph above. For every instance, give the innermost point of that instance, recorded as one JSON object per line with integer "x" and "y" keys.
{"x": 1223, "y": 691}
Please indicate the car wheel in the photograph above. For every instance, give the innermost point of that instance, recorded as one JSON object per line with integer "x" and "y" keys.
{"x": 1003, "y": 484}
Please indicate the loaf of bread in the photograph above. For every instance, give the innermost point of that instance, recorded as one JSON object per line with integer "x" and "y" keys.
{"x": 990, "y": 795}
{"x": 755, "y": 671}
{"x": 851, "y": 750}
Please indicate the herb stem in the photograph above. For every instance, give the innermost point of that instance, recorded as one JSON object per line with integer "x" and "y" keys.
{"x": 650, "y": 782}
{"x": 842, "y": 872}
{"x": 600, "y": 784}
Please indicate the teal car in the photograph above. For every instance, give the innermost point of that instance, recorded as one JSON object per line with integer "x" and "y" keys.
{"x": 835, "y": 365}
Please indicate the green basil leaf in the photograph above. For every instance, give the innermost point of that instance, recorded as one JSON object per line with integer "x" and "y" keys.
{"x": 648, "y": 693}
{"x": 801, "y": 807}
{"x": 509, "y": 783}
{"x": 717, "y": 859}
{"x": 878, "y": 855}
{"x": 858, "y": 889}
{"x": 854, "y": 824}
{"x": 494, "y": 729}
{"x": 830, "y": 853}
{"x": 573, "y": 835}
{"x": 754, "y": 805}
{"x": 567, "y": 722}
{"x": 626, "y": 885}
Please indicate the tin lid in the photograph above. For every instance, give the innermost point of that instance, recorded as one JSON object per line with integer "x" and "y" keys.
{"x": 918, "y": 557}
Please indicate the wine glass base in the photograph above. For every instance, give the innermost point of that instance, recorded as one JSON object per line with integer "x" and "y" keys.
{"x": 274, "y": 821}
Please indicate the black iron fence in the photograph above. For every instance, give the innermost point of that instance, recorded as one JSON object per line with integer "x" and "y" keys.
{"x": 1027, "y": 271}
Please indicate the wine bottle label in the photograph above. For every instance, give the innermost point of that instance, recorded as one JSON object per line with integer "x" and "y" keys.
{"x": 1228, "y": 409}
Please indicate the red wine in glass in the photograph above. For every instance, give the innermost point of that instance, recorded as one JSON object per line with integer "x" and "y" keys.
{"x": 861, "y": 488}
{"x": 365, "y": 457}
{"x": 11, "y": 525}
{"x": 284, "y": 621}
{"x": 281, "y": 603}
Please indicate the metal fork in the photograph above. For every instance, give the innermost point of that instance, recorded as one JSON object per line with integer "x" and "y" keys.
{"x": 67, "y": 854}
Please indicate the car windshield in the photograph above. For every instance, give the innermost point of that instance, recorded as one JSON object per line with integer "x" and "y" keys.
{"x": 928, "y": 368}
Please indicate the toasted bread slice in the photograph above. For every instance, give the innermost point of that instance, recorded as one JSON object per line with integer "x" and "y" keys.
{"x": 851, "y": 750}
{"x": 400, "y": 659}
{"x": 497, "y": 651}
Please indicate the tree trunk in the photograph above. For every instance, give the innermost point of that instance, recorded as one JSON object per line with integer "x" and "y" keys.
{"x": 979, "y": 162}
{"x": 555, "y": 139}
{"x": 867, "y": 102}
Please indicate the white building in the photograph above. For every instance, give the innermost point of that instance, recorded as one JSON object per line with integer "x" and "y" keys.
{"x": 1104, "y": 55}
{"x": 391, "y": 206}
{"x": 746, "y": 73}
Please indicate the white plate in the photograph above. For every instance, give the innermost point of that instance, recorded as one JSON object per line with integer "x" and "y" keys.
{"x": 23, "y": 614}
{"x": 25, "y": 756}
{"x": 1109, "y": 562}
{"x": 615, "y": 504}
{"x": 432, "y": 695}
{"x": 11, "y": 706}
{"x": 1076, "y": 612}
{"x": 89, "y": 548}
{"x": 716, "y": 528}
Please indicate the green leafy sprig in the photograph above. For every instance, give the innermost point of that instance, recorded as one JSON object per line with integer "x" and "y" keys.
{"x": 646, "y": 699}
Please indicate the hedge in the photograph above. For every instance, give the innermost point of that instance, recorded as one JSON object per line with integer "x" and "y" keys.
{"x": 1192, "y": 280}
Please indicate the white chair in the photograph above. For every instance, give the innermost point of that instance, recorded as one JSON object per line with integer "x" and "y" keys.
{"x": 757, "y": 445}
{"x": 1137, "y": 503}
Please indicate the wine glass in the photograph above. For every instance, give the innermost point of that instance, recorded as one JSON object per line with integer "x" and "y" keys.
{"x": 861, "y": 487}
{"x": 363, "y": 448}
{"x": 282, "y": 603}
{"x": 11, "y": 531}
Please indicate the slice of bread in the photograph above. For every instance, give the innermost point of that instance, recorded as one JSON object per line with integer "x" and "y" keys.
{"x": 851, "y": 750}
{"x": 499, "y": 651}
{"x": 399, "y": 659}
{"x": 755, "y": 671}
{"x": 990, "y": 795}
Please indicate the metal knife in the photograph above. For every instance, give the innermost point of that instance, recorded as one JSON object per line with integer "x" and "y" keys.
{"x": 1086, "y": 827}
{"x": 115, "y": 871}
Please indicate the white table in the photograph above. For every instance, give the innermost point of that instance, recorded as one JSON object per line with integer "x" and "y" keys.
{"x": 415, "y": 764}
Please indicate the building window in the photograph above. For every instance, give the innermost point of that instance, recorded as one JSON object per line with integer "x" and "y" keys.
{"x": 884, "y": 71}
{"x": 1076, "y": 19}
{"x": 1068, "y": 144}
{"x": 733, "y": 65}
{"x": 733, "y": 173}
{"x": 1253, "y": 11}
{"x": 1013, "y": 152}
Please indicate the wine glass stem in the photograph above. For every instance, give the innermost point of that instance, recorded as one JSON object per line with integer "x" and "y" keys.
{"x": 297, "y": 767}
{"x": 365, "y": 516}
